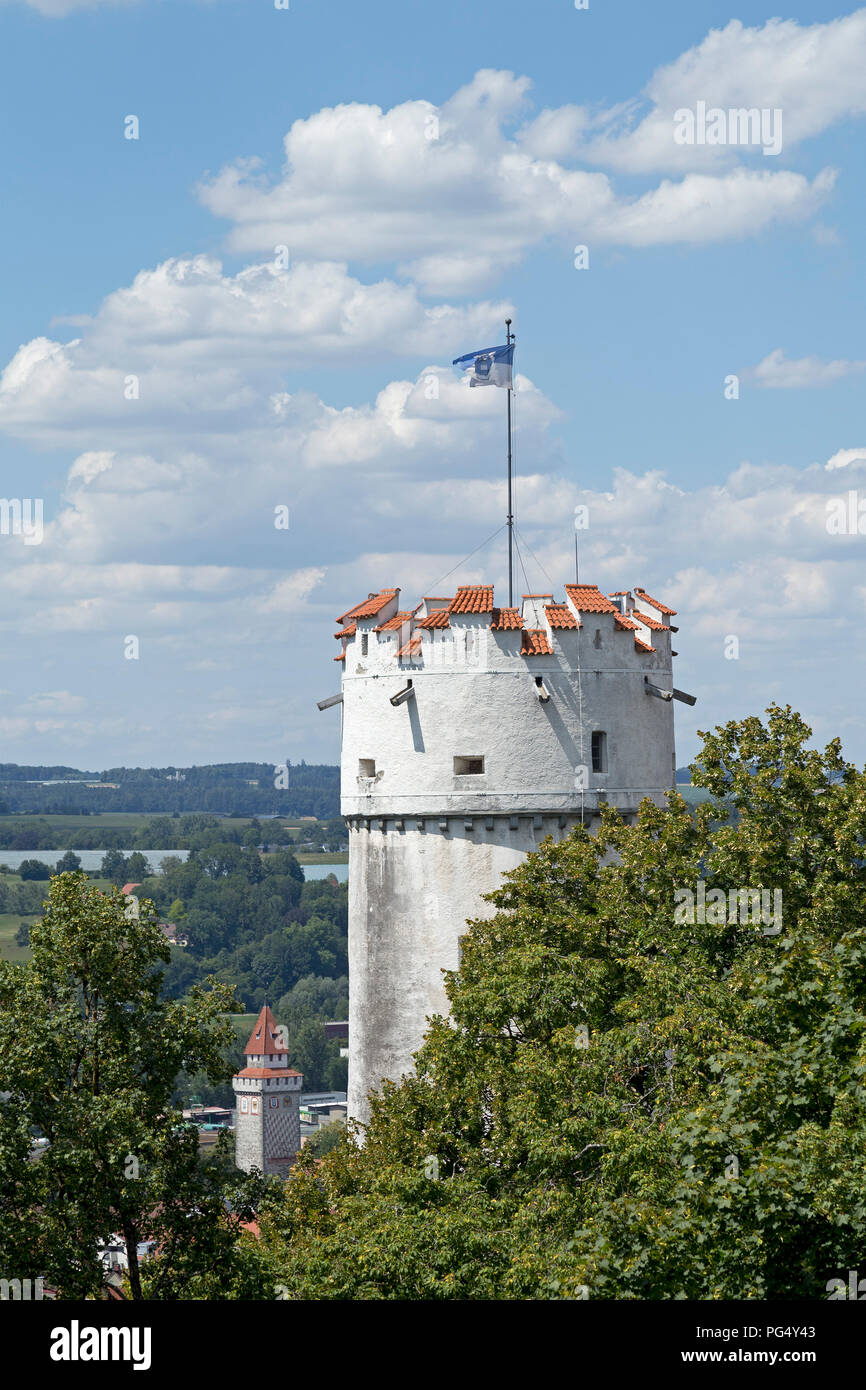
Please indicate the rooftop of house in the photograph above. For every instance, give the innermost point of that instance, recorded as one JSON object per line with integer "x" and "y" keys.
{"x": 540, "y": 616}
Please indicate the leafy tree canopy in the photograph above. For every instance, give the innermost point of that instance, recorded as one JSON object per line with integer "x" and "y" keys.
{"x": 88, "y": 1057}
{"x": 631, "y": 1098}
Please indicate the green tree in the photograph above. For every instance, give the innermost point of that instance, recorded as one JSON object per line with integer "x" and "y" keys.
{"x": 68, "y": 863}
{"x": 326, "y": 1139}
{"x": 88, "y": 1056}
{"x": 34, "y": 869}
{"x": 114, "y": 866}
{"x": 137, "y": 866}
{"x": 633, "y": 1095}
{"x": 310, "y": 1054}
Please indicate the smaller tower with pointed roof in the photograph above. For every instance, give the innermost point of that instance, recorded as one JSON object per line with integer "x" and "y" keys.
{"x": 268, "y": 1093}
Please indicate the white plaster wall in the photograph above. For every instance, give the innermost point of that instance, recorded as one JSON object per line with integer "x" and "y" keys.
{"x": 411, "y": 889}
{"x": 410, "y": 894}
{"x": 486, "y": 704}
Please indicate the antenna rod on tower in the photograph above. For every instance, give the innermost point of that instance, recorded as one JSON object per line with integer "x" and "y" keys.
{"x": 509, "y": 338}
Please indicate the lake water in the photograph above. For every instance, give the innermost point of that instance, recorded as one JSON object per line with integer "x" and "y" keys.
{"x": 92, "y": 859}
{"x": 340, "y": 871}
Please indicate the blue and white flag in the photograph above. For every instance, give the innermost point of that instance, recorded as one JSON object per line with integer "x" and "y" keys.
{"x": 489, "y": 366}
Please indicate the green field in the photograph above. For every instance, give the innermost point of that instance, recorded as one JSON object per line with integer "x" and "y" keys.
{"x": 336, "y": 858}
{"x": 130, "y": 820}
{"x": 9, "y": 924}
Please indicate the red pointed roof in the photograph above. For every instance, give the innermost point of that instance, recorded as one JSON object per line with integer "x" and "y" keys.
{"x": 265, "y": 1039}
{"x": 662, "y": 607}
{"x": 438, "y": 618}
{"x": 587, "y": 598}
{"x": 370, "y": 606}
{"x": 393, "y": 623}
{"x": 472, "y": 598}
{"x": 560, "y": 616}
{"x": 535, "y": 642}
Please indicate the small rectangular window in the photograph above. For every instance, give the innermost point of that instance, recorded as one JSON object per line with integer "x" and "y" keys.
{"x": 468, "y": 766}
{"x": 366, "y": 767}
{"x": 245, "y": 1105}
{"x": 599, "y": 752}
{"x": 254, "y": 1107}
{"x": 365, "y": 639}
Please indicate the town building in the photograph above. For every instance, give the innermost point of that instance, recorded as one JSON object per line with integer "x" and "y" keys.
{"x": 267, "y": 1091}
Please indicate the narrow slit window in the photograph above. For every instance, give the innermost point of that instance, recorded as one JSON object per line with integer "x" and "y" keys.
{"x": 470, "y": 766}
{"x": 365, "y": 642}
{"x": 599, "y": 752}
{"x": 366, "y": 767}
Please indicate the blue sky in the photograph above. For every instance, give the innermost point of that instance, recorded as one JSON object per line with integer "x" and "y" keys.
{"x": 154, "y": 257}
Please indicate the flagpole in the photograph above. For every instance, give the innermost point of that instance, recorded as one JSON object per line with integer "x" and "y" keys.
{"x": 509, "y": 338}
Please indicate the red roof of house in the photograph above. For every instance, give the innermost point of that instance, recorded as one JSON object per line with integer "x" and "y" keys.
{"x": 538, "y": 595}
{"x": 128, "y": 887}
{"x": 662, "y": 607}
{"x": 472, "y": 598}
{"x": 412, "y": 647}
{"x": 650, "y": 622}
{"x": 370, "y": 606}
{"x": 642, "y": 646}
{"x": 504, "y": 619}
{"x": 341, "y": 657}
{"x": 624, "y": 621}
{"x": 535, "y": 642}
{"x": 265, "y": 1039}
{"x": 588, "y": 598}
{"x": 438, "y": 618}
{"x": 560, "y": 616}
{"x": 397, "y": 621}
{"x": 346, "y": 631}
{"x": 262, "y": 1073}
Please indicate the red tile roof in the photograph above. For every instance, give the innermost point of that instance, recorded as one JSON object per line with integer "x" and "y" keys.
{"x": 397, "y": 621}
{"x": 624, "y": 621}
{"x": 438, "y": 618}
{"x": 341, "y": 657}
{"x": 589, "y": 599}
{"x": 504, "y": 619}
{"x": 662, "y": 607}
{"x": 538, "y": 595}
{"x": 261, "y": 1072}
{"x": 264, "y": 1038}
{"x": 412, "y": 647}
{"x": 560, "y": 616}
{"x": 650, "y": 622}
{"x": 535, "y": 642}
{"x": 435, "y": 598}
{"x": 346, "y": 631}
{"x": 370, "y": 606}
{"x": 472, "y": 598}
{"x": 642, "y": 646}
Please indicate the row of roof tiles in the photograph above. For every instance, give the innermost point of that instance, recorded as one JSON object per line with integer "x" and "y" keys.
{"x": 478, "y": 598}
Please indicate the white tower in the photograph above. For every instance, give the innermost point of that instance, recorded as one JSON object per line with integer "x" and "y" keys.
{"x": 470, "y": 733}
{"x": 268, "y": 1093}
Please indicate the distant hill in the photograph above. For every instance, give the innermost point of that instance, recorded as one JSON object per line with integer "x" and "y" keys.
{"x": 245, "y": 788}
